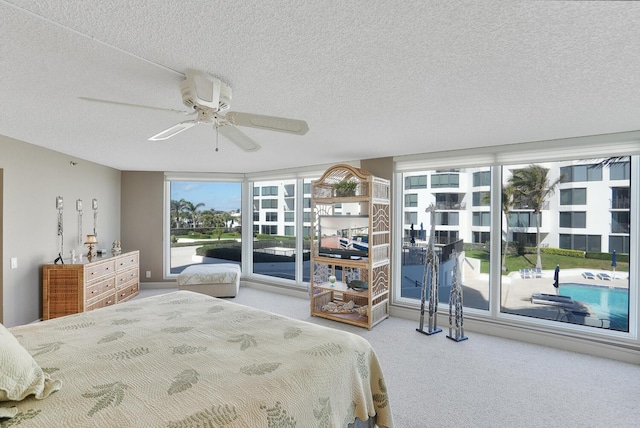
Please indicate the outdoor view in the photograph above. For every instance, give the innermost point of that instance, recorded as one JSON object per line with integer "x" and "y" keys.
{"x": 564, "y": 234}
{"x": 206, "y": 225}
{"x": 565, "y": 238}
{"x": 205, "y": 222}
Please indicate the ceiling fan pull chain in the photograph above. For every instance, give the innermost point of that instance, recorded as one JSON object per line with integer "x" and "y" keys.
{"x": 217, "y": 125}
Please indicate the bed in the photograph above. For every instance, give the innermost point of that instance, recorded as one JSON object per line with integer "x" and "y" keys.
{"x": 185, "y": 359}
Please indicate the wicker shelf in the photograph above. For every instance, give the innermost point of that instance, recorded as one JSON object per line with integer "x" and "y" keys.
{"x": 371, "y": 200}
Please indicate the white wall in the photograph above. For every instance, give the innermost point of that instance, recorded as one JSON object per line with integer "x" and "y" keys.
{"x": 33, "y": 177}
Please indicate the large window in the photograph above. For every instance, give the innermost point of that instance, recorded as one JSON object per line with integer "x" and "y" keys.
{"x": 566, "y": 221}
{"x": 589, "y": 289}
{"x": 452, "y": 234}
{"x": 204, "y": 223}
{"x": 276, "y": 244}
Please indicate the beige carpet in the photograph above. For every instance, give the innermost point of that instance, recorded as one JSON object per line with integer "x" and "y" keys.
{"x": 484, "y": 381}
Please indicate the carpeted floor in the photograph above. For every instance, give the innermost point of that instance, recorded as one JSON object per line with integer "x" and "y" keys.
{"x": 484, "y": 381}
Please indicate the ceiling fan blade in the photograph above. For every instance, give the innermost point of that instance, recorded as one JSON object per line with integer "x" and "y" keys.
{"x": 238, "y": 138}
{"x": 98, "y": 100}
{"x": 175, "y": 129}
{"x": 271, "y": 123}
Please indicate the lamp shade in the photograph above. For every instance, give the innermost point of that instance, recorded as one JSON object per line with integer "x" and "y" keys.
{"x": 91, "y": 239}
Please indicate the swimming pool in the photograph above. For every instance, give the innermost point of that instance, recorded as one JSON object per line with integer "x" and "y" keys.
{"x": 607, "y": 303}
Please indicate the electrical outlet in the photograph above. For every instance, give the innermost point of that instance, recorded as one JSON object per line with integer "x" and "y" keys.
{"x": 148, "y": 274}
{"x": 14, "y": 263}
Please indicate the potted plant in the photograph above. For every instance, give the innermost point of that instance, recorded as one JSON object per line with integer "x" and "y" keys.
{"x": 345, "y": 188}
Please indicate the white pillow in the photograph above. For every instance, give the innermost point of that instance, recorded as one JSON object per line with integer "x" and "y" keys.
{"x": 20, "y": 374}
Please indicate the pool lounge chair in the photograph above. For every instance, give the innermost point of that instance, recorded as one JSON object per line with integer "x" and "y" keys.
{"x": 604, "y": 276}
{"x": 568, "y": 309}
{"x": 588, "y": 275}
{"x": 537, "y": 272}
{"x": 525, "y": 273}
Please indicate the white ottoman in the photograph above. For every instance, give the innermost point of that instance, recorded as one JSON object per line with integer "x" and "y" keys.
{"x": 217, "y": 280}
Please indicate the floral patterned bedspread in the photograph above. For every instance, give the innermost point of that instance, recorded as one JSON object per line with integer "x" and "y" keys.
{"x": 184, "y": 359}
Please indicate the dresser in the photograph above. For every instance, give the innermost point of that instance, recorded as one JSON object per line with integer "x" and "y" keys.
{"x": 85, "y": 285}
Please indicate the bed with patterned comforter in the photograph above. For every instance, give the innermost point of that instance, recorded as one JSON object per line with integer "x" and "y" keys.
{"x": 185, "y": 359}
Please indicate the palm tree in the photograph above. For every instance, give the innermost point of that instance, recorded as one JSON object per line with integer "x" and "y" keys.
{"x": 177, "y": 208}
{"x": 507, "y": 204}
{"x": 192, "y": 210}
{"x": 531, "y": 187}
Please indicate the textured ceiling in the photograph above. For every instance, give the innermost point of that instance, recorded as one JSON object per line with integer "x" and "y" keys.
{"x": 371, "y": 78}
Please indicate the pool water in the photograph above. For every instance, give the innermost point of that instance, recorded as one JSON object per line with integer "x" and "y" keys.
{"x": 607, "y": 303}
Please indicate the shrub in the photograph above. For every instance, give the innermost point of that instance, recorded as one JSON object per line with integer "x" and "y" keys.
{"x": 622, "y": 258}
{"x": 563, "y": 252}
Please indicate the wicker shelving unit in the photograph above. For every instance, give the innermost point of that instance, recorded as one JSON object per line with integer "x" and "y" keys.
{"x": 371, "y": 198}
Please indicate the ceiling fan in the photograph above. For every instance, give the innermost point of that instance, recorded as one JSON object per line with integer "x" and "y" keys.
{"x": 207, "y": 97}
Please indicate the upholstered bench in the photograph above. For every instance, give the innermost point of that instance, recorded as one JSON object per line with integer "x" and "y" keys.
{"x": 217, "y": 279}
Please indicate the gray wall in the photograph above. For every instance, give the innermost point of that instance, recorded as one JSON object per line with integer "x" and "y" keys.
{"x": 142, "y": 219}
{"x": 33, "y": 177}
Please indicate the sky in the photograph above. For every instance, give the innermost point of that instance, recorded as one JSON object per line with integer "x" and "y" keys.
{"x": 219, "y": 196}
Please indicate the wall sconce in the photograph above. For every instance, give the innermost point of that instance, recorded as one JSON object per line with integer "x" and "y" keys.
{"x": 91, "y": 242}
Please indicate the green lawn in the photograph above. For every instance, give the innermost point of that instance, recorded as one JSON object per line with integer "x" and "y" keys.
{"x": 549, "y": 262}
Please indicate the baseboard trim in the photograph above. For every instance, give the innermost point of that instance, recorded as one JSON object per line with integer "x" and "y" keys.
{"x": 534, "y": 335}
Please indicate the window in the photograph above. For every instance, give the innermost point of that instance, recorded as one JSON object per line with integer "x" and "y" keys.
{"x": 271, "y": 216}
{"x": 522, "y": 219}
{"x": 573, "y": 196}
{"x": 575, "y": 219}
{"x": 289, "y": 230}
{"x": 481, "y": 219}
{"x": 481, "y": 199}
{"x": 481, "y": 237}
{"x": 581, "y": 242}
{"x": 447, "y": 219}
{"x": 619, "y": 244}
{"x": 449, "y": 201}
{"x": 482, "y": 178}
{"x": 452, "y": 233}
{"x": 269, "y": 203}
{"x": 207, "y": 213}
{"x": 620, "y": 171}
{"x": 289, "y": 216}
{"x": 538, "y": 184}
{"x": 411, "y": 200}
{"x": 415, "y": 182}
{"x": 268, "y": 230}
{"x": 620, "y": 198}
{"x": 270, "y": 191}
{"x": 410, "y": 217}
{"x": 620, "y": 222}
{"x": 591, "y": 172}
{"x": 445, "y": 180}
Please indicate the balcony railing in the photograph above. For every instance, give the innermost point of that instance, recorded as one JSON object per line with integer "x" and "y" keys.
{"x": 621, "y": 204}
{"x": 451, "y": 205}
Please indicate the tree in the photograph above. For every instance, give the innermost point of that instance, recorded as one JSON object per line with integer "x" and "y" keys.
{"x": 507, "y": 204}
{"x": 531, "y": 188}
{"x": 193, "y": 212}
{"x": 177, "y": 208}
